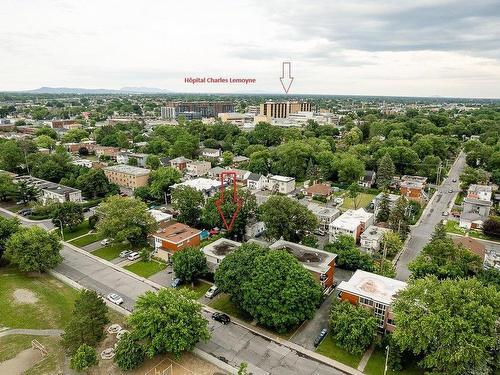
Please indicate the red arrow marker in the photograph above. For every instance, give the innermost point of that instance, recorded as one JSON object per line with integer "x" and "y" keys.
{"x": 219, "y": 202}
{"x": 286, "y": 78}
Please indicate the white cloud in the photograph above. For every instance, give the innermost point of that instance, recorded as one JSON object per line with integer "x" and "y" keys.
{"x": 336, "y": 47}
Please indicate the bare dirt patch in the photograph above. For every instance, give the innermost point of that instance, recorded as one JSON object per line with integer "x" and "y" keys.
{"x": 21, "y": 362}
{"x": 25, "y": 296}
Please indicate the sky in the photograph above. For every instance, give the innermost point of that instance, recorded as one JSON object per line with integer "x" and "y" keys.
{"x": 356, "y": 47}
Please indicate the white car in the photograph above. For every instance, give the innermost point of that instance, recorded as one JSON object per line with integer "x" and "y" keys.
{"x": 105, "y": 242}
{"x": 115, "y": 298}
{"x": 133, "y": 256}
{"x": 125, "y": 253}
{"x": 212, "y": 292}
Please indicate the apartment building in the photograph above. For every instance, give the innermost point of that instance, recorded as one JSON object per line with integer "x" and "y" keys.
{"x": 280, "y": 184}
{"x": 324, "y": 214}
{"x": 476, "y": 206}
{"x": 107, "y": 151}
{"x": 371, "y": 238}
{"x": 127, "y": 176}
{"x": 272, "y": 110}
{"x": 351, "y": 223}
{"x": 124, "y": 157}
{"x": 413, "y": 187}
{"x": 175, "y": 237}
{"x": 180, "y": 163}
{"x": 198, "y": 168}
{"x": 50, "y": 191}
{"x": 374, "y": 292}
{"x": 207, "y": 186}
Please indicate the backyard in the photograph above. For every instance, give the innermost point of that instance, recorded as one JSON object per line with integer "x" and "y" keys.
{"x": 362, "y": 201}
{"x": 199, "y": 288}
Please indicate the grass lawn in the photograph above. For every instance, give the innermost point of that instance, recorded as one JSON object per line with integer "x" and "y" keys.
{"x": 86, "y": 240}
{"x": 146, "y": 269}
{"x": 52, "y": 310}
{"x": 80, "y": 230}
{"x": 329, "y": 349}
{"x": 363, "y": 200}
{"x": 223, "y": 303}
{"x": 376, "y": 364}
{"x": 112, "y": 251}
{"x": 451, "y": 226}
{"x": 200, "y": 288}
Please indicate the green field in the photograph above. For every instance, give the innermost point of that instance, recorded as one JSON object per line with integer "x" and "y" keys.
{"x": 86, "y": 240}
{"x": 451, "y": 226}
{"x": 362, "y": 201}
{"x": 329, "y": 349}
{"x": 80, "y": 230}
{"x": 223, "y": 303}
{"x": 376, "y": 364}
{"x": 112, "y": 251}
{"x": 200, "y": 288}
{"x": 52, "y": 310}
{"x": 146, "y": 269}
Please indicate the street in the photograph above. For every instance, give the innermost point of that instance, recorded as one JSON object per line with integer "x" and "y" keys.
{"x": 432, "y": 215}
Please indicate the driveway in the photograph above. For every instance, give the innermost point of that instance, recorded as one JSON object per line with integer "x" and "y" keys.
{"x": 164, "y": 277}
{"x": 421, "y": 233}
{"x": 306, "y": 334}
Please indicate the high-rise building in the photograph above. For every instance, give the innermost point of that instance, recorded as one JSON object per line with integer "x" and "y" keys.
{"x": 200, "y": 109}
{"x": 167, "y": 113}
{"x": 283, "y": 109}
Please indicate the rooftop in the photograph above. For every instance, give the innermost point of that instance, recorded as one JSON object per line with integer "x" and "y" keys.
{"x": 200, "y": 184}
{"x": 281, "y": 178}
{"x": 372, "y": 286}
{"x": 479, "y": 192}
{"x": 374, "y": 233}
{"x": 220, "y": 248}
{"x": 128, "y": 169}
{"x": 473, "y": 245}
{"x": 351, "y": 219}
{"x": 311, "y": 258}
{"x": 177, "y": 232}
{"x": 319, "y": 189}
{"x": 159, "y": 216}
{"x": 320, "y": 210}
{"x": 46, "y": 185}
{"x": 180, "y": 159}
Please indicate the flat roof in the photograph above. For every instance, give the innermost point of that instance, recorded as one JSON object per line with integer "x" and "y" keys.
{"x": 128, "y": 169}
{"x": 351, "y": 219}
{"x": 311, "y": 258}
{"x": 200, "y": 184}
{"x": 177, "y": 232}
{"x": 372, "y": 286}
{"x": 281, "y": 178}
{"x": 46, "y": 185}
{"x": 220, "y": 248}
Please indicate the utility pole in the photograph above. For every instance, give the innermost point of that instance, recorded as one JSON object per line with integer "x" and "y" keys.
{"x": 438, "y": 173}
{"x": 386, "y": 359}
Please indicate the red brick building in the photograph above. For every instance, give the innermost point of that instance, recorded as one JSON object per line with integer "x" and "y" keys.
{"x": 175, "y": 237}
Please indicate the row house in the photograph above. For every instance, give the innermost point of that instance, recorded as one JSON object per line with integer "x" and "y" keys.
{"x": 49, "y": 192}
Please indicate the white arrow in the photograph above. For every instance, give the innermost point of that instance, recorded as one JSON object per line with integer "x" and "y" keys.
{"x": 286, "y": 78}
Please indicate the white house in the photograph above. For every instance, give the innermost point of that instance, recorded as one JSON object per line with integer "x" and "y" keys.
{"x": 476, "y": 206}
{"x": 256, "y": 181}
{"x": 216, "y": 251}
{"x": 281, "y": 184}
{"x": 211, "y": 153}
{"x": 207, "y": 186}
{"x": 324, "y": 214}
{"x": 351, "y": 223}
{"x": 371, "y": 238}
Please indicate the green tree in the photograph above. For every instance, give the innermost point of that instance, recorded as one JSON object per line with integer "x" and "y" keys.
{"x": 227, "y": 158}
{"x": 444, "y": 259}
{"x": 350, "y": 168}
{"x": 190, "y": 264}
{"x": 237, "y": 267}
{"x": 352, "y": 327}
{"x": 46, "y": 130}
{"x": 354, "y": 136}
{"x": 386, "y": 171}
{"x": 439, "y": 232}
{"x": 153, "y": 162}
{"x": 12, "y": 157}
{"x": 87, "y": 322}
{"x": 287, "y": 218}
{"x": 189, "y": 202}
{"x": 84, "y": 358}
{"x": 69, "y": 214}
{"x": 169, "y": 321}
{"x": 44, "y": 141}
{"x": 280, "y": 293}
{"x": 243, "y": 369}
{"x": 161, "y": 180}
{"x": 353, "y": 192}
{"x": 399, "y": 218}
{"x": 349, "y": 256}
{"x": 490, "y": 276}
{"x": 7, "y": 228}
{"x": 33, "y": 249}
{"x": 383, "y": 210}
{"x": 391, "y": 244}
{"x": 8, "y": 189}
{"x": 133, "y": 162}
{"x": 471, "y": 176}
{"x": 94, "y": 184}
{"x": 124, "y": 218}
{"x": 491, "y": 226}
{"x": 74, "y": 136}
{"x": 129, "y": 353}
{"x": 453, "y": 324}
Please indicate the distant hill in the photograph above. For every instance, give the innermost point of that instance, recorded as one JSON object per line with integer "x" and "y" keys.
{"x": 76, "y": 90}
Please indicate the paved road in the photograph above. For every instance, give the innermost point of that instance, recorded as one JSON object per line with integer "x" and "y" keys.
{"x": 232, "y": 343}
{"x": 432, "y": 215}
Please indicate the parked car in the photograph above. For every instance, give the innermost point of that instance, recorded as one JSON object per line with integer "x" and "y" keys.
{"x": 115, "y": 298}
{"x": 454, "y": 180}
{"x": 125, "y": 253}
{"x": 133, "y": 256}
{"x": 25, "y": 212}
{"x": 319, "y": 232}
{"x": 444, "y": 213}
{"x": 212, "y": 292}
{"x": 450, "y": 191}
{"x": 221, "y": 318}
{"x": 176, "y": 283}
{"x": 105, "y": 242}
{"x": 320, "y": 337}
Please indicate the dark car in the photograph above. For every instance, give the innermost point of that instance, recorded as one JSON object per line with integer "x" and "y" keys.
{"x": 25, "y": 212}
{"x": 320, "y": 337}
{"x": 221, "y": 318}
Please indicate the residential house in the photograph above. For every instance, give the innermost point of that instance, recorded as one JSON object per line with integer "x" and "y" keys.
{"x": 351, "y": 223}
{"x": 392, "y": 198}
{"x": 50, "y": 191}
{"x": 175, "y": 237}
{"x": 211, "y": 153}
{"x": 127, "y": 176}
{"x": 198, "y": 168}
{"x": 215, "y": 172}
{"x": 256, "y": 181}
{"x": 216, "y": 251}
{"x": 281, "y": 184}
{"x": 124, "y": 157}
{"x": 324, "y": 214}
{"x": 374, "y": 292}
{"x": 180, "y": 163}
{"x": 371, "y": 238}
{"x": 476, "y": 206}
{"x": 368, "y": 179}
{"x": 239, "y": 159}
{"x": 241, "y": 175}
{"x": 82, "y": 163}
{"x": 160, "y": 216}
{"x": 106, "y": 151}
{"x": 320, "y": 263}
{"x": 413, "y": 187}
{"x": 319, "y": 190}
{"x": 207, "y": 186}
{"x": 254, "y": 229}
